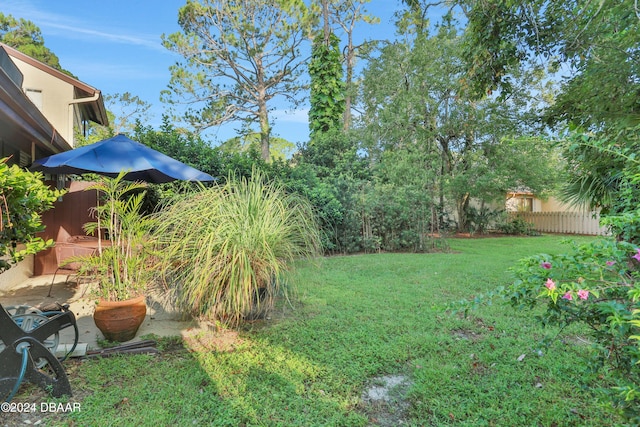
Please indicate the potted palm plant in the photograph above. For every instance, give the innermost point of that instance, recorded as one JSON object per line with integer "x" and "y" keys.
{"x": 121, "y": 264}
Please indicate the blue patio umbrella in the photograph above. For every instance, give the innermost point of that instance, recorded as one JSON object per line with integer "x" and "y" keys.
{"x": 111, "y": 156}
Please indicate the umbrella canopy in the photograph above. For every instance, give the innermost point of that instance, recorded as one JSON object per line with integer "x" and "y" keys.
{"x": 111, "y": 156}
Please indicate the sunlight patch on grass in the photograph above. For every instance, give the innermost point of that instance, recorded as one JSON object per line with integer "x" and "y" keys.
{"x": 358, "y": 318}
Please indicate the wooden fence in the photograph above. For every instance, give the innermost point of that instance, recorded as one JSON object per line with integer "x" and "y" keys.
{"x": 565, "y": 222}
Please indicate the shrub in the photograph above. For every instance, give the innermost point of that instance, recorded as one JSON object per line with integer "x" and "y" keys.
{"x": 399, "y": 216}
{"x": 517, "y": 226}
{"x": 595, "y": 285}
{"x": 302, "y": 180}
{"x": 480, "y": 219}
{"x": 226, "y": 249}
{"x": 23, "y": 197}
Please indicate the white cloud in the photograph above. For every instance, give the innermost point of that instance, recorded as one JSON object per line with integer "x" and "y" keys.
{"x": 116, "y": 36}
{"x": 71, "y": 27}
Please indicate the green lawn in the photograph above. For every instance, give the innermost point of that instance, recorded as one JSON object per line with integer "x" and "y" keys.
{"x": 358, "y": 318}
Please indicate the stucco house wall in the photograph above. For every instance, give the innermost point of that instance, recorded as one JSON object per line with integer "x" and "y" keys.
{"x": 528, "y": 202}
{"x": 555, "y": 205}
{"x": 55, "y": 101}
{"x": 62, "y": 99}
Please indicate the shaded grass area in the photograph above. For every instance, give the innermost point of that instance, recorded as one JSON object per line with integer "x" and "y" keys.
{"x": 356, "y": 318}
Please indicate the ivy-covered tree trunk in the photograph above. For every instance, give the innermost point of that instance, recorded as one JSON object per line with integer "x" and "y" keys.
{"x": 327, "y": 87}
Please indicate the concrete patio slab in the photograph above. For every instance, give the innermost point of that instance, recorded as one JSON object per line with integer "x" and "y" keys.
{"x": 33, "y": 292}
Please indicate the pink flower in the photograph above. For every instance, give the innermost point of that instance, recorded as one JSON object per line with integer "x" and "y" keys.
{"x": 551, "y": 285}
{"x": 637, "y": 256}
{"x": 610, "y": 263}
{"x": 546, "y": 265}
{"x": 567, "y": 296}
{"x": 583, "y": 294}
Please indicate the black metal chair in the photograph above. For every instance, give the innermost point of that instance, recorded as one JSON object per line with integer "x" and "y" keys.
{"x": 25, "y": 351}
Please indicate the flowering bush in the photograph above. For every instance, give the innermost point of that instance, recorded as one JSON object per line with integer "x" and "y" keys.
{"x": 595, "y": 285}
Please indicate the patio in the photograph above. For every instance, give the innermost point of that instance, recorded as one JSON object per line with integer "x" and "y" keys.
{"x": 33, "y": 292}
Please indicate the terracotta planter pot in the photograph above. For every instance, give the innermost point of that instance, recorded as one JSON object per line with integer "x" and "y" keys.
{"x": 119, "y": 320}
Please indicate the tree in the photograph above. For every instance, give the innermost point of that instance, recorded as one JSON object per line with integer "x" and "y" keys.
{"x": 418, "y": 84}
{"x": 280, "y": 148}
{"x": 25, "y": 36}
{"x": 329, "y": 150}
{"x": 598, "y": 41}
{"x": 334, "y": 153}
{"x": 240, "y": 56}
{"x": 346, "y": 14}
{"x": 184, "y": 146}
{"x": 597, "y": 47}
{"x": 414, "y": 19}
{"x": 327, "y": 88}
{"x": 124, "y": 111}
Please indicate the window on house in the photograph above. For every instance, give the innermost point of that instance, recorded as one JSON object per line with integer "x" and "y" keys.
{"x": 525, "y": 204}
{"x": 35, "y": 95}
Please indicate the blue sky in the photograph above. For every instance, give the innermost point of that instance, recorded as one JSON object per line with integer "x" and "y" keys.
{"x": 115, "y": 47}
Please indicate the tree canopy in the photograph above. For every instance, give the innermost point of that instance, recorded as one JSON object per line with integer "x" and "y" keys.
{"x": 25, "y": 36}
{"x": 418, "y": 83}
{"x": 239, "y": 57}
{"x": 594, "y": 49}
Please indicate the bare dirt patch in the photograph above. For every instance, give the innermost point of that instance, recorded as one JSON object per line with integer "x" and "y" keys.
{"x": 384, "y": 400}
{"x": 210, "y": 339}
{"x": 465, "y": 334}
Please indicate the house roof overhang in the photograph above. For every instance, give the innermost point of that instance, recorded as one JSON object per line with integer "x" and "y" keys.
{"x": 93, "y": 110}
{"x": 21, "y": 120}
{"x": 520, "y": 192}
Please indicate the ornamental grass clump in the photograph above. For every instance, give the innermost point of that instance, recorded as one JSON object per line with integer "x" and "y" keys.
{"x": 226, "y": 249}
